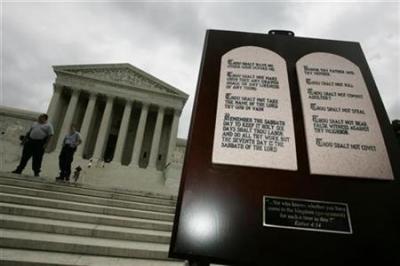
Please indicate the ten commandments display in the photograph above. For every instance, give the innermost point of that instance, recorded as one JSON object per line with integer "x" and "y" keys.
{"x": 340, "y": 120}
{"x": 254, "y": 124}
{"x": 291, "y": 158}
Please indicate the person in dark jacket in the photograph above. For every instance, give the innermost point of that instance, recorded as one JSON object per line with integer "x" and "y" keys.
{"x": 35, "y": 143}
{"x": 70, "y": 143}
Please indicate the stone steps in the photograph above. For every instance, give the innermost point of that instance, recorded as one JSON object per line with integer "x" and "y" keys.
{"x": 24, "y": 257}
{"x": 44, "y": 223}
{"x": 82, "y": 229}
{"x": 84, "y": 207}
{"x": 82, "y": 245}
{"x": 78, "y": 216}
{"x": 86, "y": 190}
{"x": 44, "y": 193}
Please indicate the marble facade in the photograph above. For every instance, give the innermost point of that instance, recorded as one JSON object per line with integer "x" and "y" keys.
{"x": 128, "y": 120}
{"x": 125, "y": 115}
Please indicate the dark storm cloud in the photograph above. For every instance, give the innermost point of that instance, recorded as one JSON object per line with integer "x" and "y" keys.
{"x": 184, "y": 26}
{"x": 165, "y": 21}
{"x": 166, "y": 40}
{"x": 374, "y": 25}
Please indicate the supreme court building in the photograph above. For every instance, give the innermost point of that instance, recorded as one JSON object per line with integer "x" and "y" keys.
{"x": 128, "y": 120}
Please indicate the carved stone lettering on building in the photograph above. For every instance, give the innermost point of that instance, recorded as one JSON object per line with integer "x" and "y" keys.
{"x": 342, "y": 130}
{"x": 254, "y": 122}
{"x": 122, "y": 76}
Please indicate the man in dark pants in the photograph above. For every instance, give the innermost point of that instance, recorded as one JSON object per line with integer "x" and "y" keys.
{"x": 70, "y": 143}
{"x": 35, "y": 142}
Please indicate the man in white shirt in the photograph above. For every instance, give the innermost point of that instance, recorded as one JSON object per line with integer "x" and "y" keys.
{"x": 70, "y": 143}
{"x": 35, "y": 142}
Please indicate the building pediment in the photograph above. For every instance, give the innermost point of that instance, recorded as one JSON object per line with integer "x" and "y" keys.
{"x": 122, "y": 74}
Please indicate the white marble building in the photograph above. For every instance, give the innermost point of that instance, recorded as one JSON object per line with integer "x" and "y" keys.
{"x": 128, "y": 120}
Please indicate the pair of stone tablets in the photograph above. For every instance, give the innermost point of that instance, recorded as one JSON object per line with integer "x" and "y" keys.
{"x": 254, "y": 121}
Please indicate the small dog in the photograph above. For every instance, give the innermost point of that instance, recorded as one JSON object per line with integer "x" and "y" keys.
{"x": 77, "y": 172}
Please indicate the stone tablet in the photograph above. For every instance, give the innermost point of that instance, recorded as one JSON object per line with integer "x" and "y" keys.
{"x": 342, "y": 131}
{"x": 254, "y": 121}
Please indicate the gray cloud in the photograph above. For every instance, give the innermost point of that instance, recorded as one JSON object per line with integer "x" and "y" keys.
{"x": 375, "y": 25}
{"x": 166, "y": 40}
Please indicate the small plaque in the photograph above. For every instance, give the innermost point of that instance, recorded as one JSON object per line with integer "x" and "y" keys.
{"x": 311, "y": 215}
{"x": 254, "y": 122}
{"x": 342, "y": 130}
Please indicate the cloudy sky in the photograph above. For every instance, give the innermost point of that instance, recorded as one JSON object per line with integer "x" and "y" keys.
{"x": 165, "y": 39}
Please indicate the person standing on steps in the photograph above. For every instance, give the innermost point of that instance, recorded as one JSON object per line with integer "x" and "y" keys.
{"x": 70, "y": 143}
{"x": 35, "y": 143}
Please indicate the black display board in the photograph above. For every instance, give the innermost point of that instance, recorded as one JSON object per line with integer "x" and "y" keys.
{"x": 231, "y": 214}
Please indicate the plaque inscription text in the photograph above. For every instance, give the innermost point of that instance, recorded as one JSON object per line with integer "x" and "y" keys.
{"x": 254, "y": 121}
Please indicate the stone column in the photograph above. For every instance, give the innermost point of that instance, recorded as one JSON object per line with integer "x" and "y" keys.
{"x": 173, "y": 136}
{"x": 123, "y": 131}
{"x": 155, "y": 144}
{"x": 104, "y": 127}
{"x": 52, "y": 112}
{"x": 87, "y": 120}
{"x": 54, "y": 103}
{"x": 69, "y": 115}
{"x": 139, "y": 135}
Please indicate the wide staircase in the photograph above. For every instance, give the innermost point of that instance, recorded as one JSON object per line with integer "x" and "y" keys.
{"x": 49, "y": 223}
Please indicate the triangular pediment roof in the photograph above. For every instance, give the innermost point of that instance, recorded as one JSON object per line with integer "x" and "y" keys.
{"x": 122, "y": 74}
